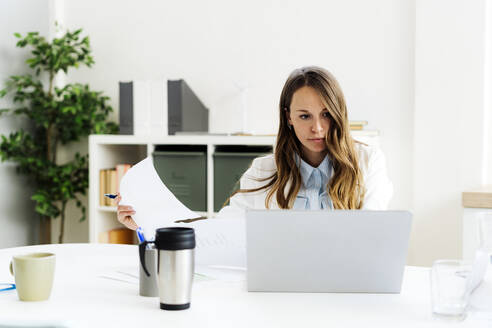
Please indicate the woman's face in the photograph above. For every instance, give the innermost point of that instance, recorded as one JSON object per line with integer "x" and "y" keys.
{"x": 310, "y": 120}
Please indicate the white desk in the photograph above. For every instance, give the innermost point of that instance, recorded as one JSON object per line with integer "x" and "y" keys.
{"x": 88, "y": 300}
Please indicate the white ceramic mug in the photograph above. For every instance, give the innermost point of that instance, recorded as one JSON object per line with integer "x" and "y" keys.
{"x": 34, "y": 275}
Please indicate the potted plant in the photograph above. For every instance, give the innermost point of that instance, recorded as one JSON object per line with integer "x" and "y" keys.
{"x": 58, "y": 116}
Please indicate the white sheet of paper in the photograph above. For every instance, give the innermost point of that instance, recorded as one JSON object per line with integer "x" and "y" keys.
{"x": 220, "y": 241}
{"x": 222, "y": 273}
{"x": 478, "y": 270}
{"x": 481, "y": 298}
{"x": 155, "y": 206}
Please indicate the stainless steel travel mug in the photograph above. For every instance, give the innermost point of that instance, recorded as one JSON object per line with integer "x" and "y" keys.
{"x": 175, "y": 266}
{"x": 148, "y": 283}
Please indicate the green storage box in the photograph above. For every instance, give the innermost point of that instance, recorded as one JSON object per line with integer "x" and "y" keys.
{"x": 230, "y": 162}
{"x": 183, "y": 169}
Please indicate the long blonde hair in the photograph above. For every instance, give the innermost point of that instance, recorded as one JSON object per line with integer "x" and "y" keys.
{"x": 345, "y": 187}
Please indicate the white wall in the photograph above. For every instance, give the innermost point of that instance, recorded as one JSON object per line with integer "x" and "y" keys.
{"x": 368, "y": 45}
{"x": 418, "y": 71}
{"x": 449, "y": 113}
{"x": 17, "y": 221}
{"x": 487, "y": 106}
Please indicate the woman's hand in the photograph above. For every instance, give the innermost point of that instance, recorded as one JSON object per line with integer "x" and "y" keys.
{"x": 124, "y": 214}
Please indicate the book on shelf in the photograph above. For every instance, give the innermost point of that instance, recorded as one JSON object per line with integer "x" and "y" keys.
{"x": 118, "y": 236}
{"x": 109, "y": 182}
{"x": 102, "y": 185}
{"x": 106, "y": 186}
{"x": 357, "y": 125}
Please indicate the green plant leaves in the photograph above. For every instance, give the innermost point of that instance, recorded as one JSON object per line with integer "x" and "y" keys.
{"x": 58, "y": 55}
{"x": 58, "y": 116}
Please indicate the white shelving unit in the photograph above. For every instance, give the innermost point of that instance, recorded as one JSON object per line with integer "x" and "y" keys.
{"x": 105, "y": 151}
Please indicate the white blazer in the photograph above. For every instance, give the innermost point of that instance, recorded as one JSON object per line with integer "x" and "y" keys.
{"x": 379, "y": 188}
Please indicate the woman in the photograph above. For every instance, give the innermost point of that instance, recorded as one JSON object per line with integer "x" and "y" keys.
{"x": 316, "y": 163}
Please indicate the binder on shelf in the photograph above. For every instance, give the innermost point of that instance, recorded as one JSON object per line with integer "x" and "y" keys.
{"x": 143, "y": 107}
{"x": 126, "y": 107}
{"x": 185, "y": 110}
{"x": 160, "y": 107}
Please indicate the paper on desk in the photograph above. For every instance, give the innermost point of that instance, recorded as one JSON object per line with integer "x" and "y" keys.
{"x": 481, "y": 298}
{"x": 220, "y": 241}
{"x": 155, "y": 206}
{"x": 478, "y": 270}
{"x": 222, "y": 273}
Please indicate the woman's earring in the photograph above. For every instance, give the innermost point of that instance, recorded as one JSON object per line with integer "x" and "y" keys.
{"x": 290, "y": 126}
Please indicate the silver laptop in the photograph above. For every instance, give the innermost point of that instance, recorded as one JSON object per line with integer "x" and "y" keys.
{"x": 326, "y": 251}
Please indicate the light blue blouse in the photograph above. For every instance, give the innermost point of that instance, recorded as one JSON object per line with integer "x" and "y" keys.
{"x": 313, "y": 194}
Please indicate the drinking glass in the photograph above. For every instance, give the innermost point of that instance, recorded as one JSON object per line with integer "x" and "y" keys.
{"x": 449, "y": 289}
